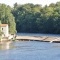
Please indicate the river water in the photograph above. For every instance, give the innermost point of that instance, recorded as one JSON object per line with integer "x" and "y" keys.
{"x": 30, "y": 50}
{"x": 37, "y": 34}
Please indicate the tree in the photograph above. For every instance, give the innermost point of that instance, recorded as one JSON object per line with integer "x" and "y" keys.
{"x": 7, "y": 17}
{"x": 35, "y": 18}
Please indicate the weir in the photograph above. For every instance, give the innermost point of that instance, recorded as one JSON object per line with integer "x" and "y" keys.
{"x": 40, "y": 38}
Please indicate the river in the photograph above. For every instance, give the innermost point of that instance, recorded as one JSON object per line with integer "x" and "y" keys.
{"x": 37, "y": 34}
{"x": 30, "y": 50}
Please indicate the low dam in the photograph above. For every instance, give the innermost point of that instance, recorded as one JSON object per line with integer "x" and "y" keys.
{"x": 40, "y": 38}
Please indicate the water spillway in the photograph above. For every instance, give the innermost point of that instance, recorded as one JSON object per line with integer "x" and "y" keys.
{"x": 40, "y": 38}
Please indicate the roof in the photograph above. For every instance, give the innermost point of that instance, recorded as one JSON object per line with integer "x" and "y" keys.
{"x": 3, "y": 25}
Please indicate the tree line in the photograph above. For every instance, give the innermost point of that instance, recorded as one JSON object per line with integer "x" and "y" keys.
{"x": 32, "y": 18}
{"x": 6, "y": 17}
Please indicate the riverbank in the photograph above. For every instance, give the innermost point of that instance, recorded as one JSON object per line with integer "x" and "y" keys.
{"x": 39, "y": 38}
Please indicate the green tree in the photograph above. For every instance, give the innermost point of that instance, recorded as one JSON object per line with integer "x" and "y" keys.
{"x": 7, "y": 17}
{"x": 35, "y": 18}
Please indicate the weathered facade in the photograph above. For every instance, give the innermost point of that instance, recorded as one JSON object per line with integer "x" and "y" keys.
{"x": 4, "y": 30}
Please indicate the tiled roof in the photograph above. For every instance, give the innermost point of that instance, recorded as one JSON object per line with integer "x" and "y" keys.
{"x": 3, "y": 25}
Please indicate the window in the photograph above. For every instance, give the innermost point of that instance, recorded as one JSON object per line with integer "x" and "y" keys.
{"x": 2, "y": 28}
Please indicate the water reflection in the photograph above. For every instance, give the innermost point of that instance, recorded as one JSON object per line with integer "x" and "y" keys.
{"x": 5, "y": 45}
{"x": 29, "y": 50}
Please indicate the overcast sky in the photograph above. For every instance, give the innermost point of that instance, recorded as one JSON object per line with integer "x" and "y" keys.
{"x": 42, "y": 2}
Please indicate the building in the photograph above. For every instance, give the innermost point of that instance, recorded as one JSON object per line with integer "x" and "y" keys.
{"x": 4, "y": 30}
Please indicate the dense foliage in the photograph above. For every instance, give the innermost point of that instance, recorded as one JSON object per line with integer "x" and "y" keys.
{"x": 35, "y": 18}
{"x": 7, "y": 17}
{"x": 31, "y": 18}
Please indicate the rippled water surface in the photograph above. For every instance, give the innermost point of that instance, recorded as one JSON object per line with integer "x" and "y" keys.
{"x": 31, "y": 50}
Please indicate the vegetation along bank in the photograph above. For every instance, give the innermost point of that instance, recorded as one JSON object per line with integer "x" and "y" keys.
{"x": 31, "y": 18}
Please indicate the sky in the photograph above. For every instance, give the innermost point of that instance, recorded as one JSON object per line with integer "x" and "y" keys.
{"x": 42, "y": 2}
